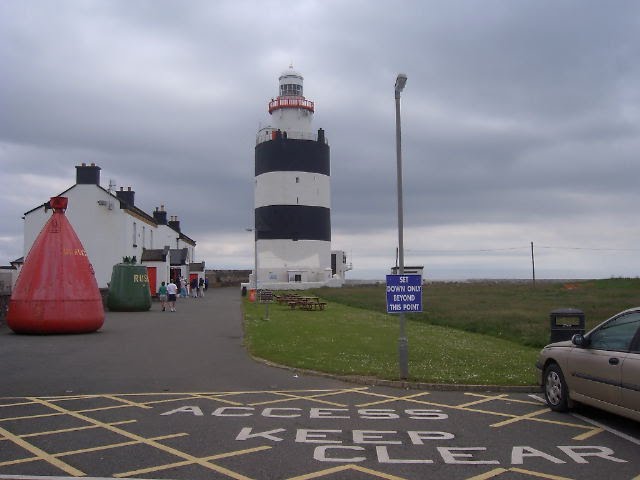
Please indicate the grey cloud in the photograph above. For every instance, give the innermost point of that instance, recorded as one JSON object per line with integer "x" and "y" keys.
{"x": 514, "y": 112}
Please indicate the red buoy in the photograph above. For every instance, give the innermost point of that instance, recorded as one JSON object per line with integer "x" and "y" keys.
{"x": 56, "y": 291}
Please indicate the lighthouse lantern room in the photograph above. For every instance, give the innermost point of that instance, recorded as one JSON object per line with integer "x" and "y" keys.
{"x": 292, "y": 197}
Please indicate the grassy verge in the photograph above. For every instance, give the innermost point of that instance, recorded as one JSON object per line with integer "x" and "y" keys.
{"x": 512, "y": 311}
{"x": 485, "y": 333}
{"x": 347, "y": 340}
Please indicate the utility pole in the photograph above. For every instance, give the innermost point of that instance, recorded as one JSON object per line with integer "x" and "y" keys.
{"x": 533, "y": 265}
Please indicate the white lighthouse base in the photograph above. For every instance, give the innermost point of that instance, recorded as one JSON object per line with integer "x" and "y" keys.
{"x": 332, "y": 282}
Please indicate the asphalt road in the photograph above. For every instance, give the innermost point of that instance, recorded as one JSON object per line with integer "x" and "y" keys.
{"x": 197, "y": 348}
{"x": 174, "y": 395}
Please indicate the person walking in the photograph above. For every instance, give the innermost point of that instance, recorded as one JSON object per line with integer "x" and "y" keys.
{"x": 183, "y": 287}
{"x": 201, "y": 287}
{"x": 193, "y": 285}
{"x": 162, "y": 295}
{"x": 172, "y": 291}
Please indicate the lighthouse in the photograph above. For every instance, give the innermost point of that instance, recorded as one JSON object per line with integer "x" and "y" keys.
{"x": 292, "y": 195}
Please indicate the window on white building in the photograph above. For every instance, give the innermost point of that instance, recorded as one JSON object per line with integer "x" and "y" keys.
{"x": 144, "y": 236}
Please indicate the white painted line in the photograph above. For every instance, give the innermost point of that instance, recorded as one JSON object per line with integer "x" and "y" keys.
{"x": 595, "y": 424}
{"x": 538, "y": 398}
{"x": 608, "y": 429}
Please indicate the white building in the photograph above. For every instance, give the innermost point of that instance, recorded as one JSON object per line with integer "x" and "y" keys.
{"x": 292, "y": 197}
{"x": 111, "y": 227}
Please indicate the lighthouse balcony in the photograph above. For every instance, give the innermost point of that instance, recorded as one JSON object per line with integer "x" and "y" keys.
{"x": 291, "y": 102}
{"x": 269, "y": 133}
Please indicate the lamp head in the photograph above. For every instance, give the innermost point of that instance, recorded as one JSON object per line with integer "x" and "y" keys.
{"x": 401, "y": 81}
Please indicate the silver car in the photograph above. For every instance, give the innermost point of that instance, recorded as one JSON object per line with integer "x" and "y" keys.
{"x": 600, "y": 368}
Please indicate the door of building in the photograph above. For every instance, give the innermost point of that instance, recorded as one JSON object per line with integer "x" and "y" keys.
{"x": 152, "y": 272}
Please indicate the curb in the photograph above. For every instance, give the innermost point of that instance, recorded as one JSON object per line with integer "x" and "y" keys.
{"x": 406, "y": 385}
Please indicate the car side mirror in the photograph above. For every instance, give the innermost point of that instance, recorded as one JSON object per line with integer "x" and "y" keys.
{"x": 579, "y": 340}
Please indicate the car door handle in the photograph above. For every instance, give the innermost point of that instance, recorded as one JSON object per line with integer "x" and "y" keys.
{"x": 614, "y": 361}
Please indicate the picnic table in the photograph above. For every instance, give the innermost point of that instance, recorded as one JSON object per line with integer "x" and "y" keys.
{"x": 307, "y": 303}
{"x": 287, "y": 298}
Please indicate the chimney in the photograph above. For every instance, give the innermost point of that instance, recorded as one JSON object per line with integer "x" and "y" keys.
{"x": 160, "y": 216}
{"x": 126, "y": 196}
{"x": 174, "y": 223}
{"x": 87, "y": 174}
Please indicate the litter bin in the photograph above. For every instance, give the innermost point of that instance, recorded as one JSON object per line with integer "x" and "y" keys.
{"x": 565, "y": 323}
{"x": 244, "y": 291}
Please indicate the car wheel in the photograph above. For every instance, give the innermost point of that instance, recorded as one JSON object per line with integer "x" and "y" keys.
{"x": 556, "y": 391}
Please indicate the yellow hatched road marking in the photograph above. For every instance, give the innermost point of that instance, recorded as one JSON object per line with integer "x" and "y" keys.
{"x": 25, "y": 417}
{"x": 393, "y": 399}
{"x": 41, "y": 454}
{"x": 483, "y": 400}
{"x": 590, "y": 434}
{"x": 15, "y": 404}
{"x": 127, "y": 402}
{"x": 342, "y": 468}
{"x": 241, "y": 392}
{"x": 87, "y": 450}
{"x": 199, "y": 461}
{"x": 507, "y": 398}
{"x": 142, "y": 440}
{"x": 538, "y": 474}
{"x": 499, "y": 471}
{"x": 71, "y": 398}
{"x": 487, "y": 412}
{"x": 169, "y": 400}
{"x": 315, "y": 398}
{"x": 117, "y": 445}
{"x": 100, "y": 409}
{"x": 43, "y": 415}
{"x": 218, "y": 398}
{"x": 76, "y": 429}
{"x": 491, "y": 474}
{"x": 290, "y": 398}
{"x": 518, "y": 418}
{"x": 443, "y": 405}
{"x": 21, "y": 460}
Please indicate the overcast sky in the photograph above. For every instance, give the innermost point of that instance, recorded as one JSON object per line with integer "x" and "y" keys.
{"x": 520, "y": 122}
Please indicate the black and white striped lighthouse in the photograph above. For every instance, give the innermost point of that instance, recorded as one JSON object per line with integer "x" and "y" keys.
{"x": 292, "y": 192}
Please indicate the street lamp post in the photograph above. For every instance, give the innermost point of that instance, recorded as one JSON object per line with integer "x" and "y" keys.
{"x": 403, "y": 344}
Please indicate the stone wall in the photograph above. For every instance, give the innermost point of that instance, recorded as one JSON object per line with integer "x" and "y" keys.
{"x": 227, "y": 278}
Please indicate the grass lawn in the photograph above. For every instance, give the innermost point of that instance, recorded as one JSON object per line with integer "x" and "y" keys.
{"x": 483, "y": 333}
{"x": 353, "y": 341}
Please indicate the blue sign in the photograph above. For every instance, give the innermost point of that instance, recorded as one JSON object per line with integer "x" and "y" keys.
{"x": 404, "y": 293}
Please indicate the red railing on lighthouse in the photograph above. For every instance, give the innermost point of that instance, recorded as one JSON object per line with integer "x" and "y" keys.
{"x": 291, "y": 102}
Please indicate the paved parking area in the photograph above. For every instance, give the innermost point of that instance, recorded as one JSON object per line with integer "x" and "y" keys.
{"x": 354, "y": 432}
{"x": 159, "y": 395}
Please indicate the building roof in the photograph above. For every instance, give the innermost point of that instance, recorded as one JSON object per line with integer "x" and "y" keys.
{"x": 154, "y": 254}
{"x": 178, "y": 256}
{"x": 132, "y": 209}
